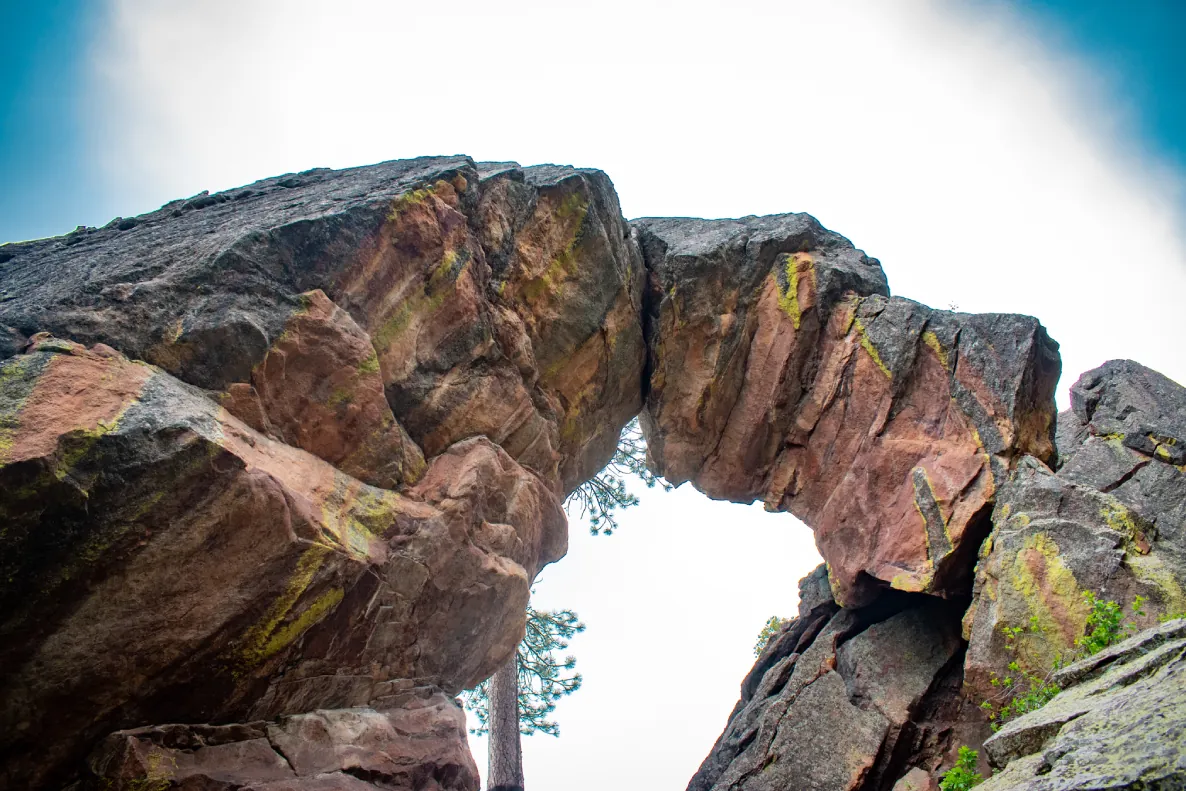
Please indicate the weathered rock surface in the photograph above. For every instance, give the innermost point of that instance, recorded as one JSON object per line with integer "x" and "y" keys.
{"x": 782, "y": 370}
{"x": 1110, "y": 521}
{"x": 411, "y": 742}
{"x": 507, "y": 306}
{"x": 278, "y": 466}
{"x": 164, "y": 562}
{"x": 1120, "y": 724}
{"x": 843, "y": 698}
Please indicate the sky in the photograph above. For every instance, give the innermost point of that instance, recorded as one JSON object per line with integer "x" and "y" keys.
{"x": 994, "y": 155}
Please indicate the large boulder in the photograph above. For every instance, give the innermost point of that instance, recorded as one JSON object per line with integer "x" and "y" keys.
{"x": 161, "y": 561}
{"x": 781, "y": 370}
{"x": 1111, "y": 522}
{"x": 483, "y": 300}
{"x": 1120, "y": 724}
{"x": 412, "y": 741}
{"x": 843, "y": 699}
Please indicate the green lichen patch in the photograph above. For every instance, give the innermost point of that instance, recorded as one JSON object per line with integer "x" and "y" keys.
{"x": 1134, "y": 529}
{"x": 370, "y": 365}
{"x": 275, "y": 630}
{"x": 408, "y": 200}
{"x": 795, "y": 267}
{"x": 1052, "y": 596}
{"x": 425, "y": 300}
{"x": 571, "y": 213}
{"x": 868, "y": 346}
{"x": 932, "y": 342}
{"x": 939, "y": 543}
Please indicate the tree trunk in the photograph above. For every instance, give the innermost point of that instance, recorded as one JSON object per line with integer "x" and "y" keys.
{"x": 506, "y": 753}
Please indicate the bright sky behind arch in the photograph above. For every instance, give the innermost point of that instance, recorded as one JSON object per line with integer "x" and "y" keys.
{"x": 996, "y": 156}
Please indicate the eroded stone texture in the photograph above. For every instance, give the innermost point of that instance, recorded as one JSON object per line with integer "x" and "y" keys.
{"x": 319, "y": 388}
{"x": 1120, "y": 724}
{"x": 842, "y": 698}
{"x": 164, "y": 562}
{"x": 414, "y": 743}
{"x": 1109, "y": 522}
{"x": 782, "y": 370}
{"x": 507, "y": 307}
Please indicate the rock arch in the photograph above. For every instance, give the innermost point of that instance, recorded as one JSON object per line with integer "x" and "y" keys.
{"x": 298, "y": 447}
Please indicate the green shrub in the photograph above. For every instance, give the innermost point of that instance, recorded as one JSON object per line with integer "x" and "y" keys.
{"x": 1023, "y": 691}
{"x": 963, "y": 776}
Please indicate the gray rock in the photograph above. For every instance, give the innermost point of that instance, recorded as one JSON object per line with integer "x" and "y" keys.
{"x": 1122, "y": 729}
{"x": 1111, "y": 521}
{"x": 837, "y": 700}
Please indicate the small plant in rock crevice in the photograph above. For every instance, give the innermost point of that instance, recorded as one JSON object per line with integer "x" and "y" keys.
{"x": 773, "y": 624}
{"x": 963, "y": 776}
{"x": 1022, "y": 690}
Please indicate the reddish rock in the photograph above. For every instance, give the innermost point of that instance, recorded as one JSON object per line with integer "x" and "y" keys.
{"x": 319, "y": 388}
{"x": 129, "y": 497}
{"x": 782, "y": 371}
{"x": 497, "y": 301}
{"x": 417, "y": 743}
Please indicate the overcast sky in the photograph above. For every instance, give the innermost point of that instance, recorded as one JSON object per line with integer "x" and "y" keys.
{"x": 991, "y": 158}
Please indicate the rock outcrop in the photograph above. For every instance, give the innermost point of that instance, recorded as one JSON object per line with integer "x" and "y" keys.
{"x": 782, "y": 370}
{"x": 1119, "y": 724}
{"x": 316, "y": 447}
{"x": 844, "y": 698}
{"x": 484, "y": 300}
{"x": 414, "y": 740}
{"x": 1111, "y": 521}
{"x": 164, "y": 562}
{"x": 278, "y": 466}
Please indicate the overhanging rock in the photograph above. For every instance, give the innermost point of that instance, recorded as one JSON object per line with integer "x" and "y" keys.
{"x": 782, "y": 370}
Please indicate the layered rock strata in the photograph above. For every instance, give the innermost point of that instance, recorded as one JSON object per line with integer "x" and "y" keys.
{"x": 278, "y": 465}
{"x": 1119, "y": 724}
{"x": 316, "y": 447}
{"x": 414, "y": 740}
{"x": 782, "y": 370}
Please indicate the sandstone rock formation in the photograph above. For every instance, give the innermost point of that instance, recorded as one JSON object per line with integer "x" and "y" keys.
{"x": 415, "y": 740}
{"x": 782, "y": 370}
{"x": 201, "y": 521}
{"x": 278, "y": 466}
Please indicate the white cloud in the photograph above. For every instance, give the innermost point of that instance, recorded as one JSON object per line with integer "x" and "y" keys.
{"x": 980, "y": 166}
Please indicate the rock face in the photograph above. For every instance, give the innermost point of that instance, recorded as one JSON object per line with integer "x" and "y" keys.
{"x": 279, "y": 465}
{"x": 843, "y": 698}
{"x": 1119, "y": 724}
{"x": 497, "y": 306}
{"x": 1111, "y": 520}
{"x": 168, "y": 563}
{"x": 222, "y": 510}
{"x": 415, "y": 740}
{"x": 782, "y": 370}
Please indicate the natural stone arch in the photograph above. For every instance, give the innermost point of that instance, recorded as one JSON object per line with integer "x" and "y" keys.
{"x": 782, "y": 370}
{"x": 473, "y": 336}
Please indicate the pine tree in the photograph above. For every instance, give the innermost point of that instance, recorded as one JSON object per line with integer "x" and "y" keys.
{"x": 521, "y": 696}
{"x": 606, "y": 492}
{"x": 524, "y": 691}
